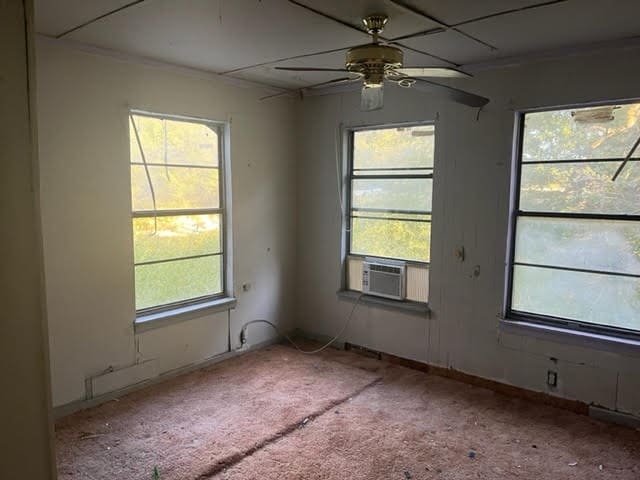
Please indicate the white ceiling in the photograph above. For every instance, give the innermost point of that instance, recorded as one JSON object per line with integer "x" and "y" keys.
{"x": 247, "y": 38}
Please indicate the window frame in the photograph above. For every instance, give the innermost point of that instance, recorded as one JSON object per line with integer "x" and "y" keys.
{"x": 566, "y": 324}
{"x": 346, "y": 189}
{"x": 222, "y": 128}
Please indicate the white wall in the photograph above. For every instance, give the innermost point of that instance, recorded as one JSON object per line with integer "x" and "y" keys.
{"x": 25, "y": 405}
{"x": 284, "y": 200}
{"x": 471, "y": 208}
{"x": 82, "y": 116}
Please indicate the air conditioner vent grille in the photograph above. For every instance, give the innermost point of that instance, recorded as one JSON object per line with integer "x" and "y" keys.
{"x": 384, "y": 280}
{"x": 385, "y": 268}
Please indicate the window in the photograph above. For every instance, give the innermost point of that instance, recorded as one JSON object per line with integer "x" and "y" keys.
{"x": 576, "y": 244}
{"x": 390, "y": 187}
{"x": 177, "y": 195}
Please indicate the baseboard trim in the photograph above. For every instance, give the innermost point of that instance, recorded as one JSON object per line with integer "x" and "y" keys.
{"x": 575, "y": 406}
{"x": 69, "y": 408}
{"x": 612, "y": 416}
{"x": 321, "y": 339}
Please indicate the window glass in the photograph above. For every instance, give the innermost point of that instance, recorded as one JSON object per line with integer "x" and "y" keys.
{"x": 175, "y": 188}
{"x": 175, "y": 237}
{"x": 169, "y": 141}
{"x": 391, "y": 188}
{"x": 581, "y": 133}
{"x": 393, "y": 148}
{"x": 602, "y": 245}
{"x": 402, "y": 239}
{"x": 581, "y": 187}
{"x": 586, "y": 297}
{"x": 177, "y": 280}
{"x": 577, "y": 232}
{"x": 175, "y": 166}
{"x": 400, "y": 194}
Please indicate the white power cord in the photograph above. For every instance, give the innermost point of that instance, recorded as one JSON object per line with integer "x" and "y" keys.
{"x": 243, "y": 332}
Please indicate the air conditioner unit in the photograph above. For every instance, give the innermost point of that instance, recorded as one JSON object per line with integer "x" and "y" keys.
{"x": 384, "y": 278}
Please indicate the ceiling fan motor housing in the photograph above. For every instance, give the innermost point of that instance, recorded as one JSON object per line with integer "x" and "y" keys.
{"x": 373, "y": 61}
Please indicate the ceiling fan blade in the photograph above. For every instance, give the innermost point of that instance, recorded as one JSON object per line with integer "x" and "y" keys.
{"x": 450, "y": 93}
{"x": 440, "y": 72}
{"x": 335, "y": 81}
{"x": 311, "y": 69}
{"x": 372, "y": 98}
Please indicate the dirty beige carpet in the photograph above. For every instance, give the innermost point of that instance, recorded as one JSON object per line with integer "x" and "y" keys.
{"x": 192, "y": 426}
{"x": 365, "y": 420}
{"x": 417, "y": 426}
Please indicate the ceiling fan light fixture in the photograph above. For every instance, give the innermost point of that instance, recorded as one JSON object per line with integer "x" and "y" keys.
{"x": 373, "y": 77}
{"x": 373, "y": 83}
{"x": 372, "y": 97}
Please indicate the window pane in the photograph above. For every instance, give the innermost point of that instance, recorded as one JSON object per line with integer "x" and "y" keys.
{"x": 408, "y": 240}
{"x": 400, "y": 194}
{"x": 397, "y": 171}
{"x": 559, "y": 135}
{"x": 408, "y": 147}
{"x": 580, "y": 188}
{"x": 175, "y": 237}
{"x": 175, "y": 188}
{"x": 588, "y": 244}
{"x": 391, "y": 216}
{"x": 164, "y": 283}
{"x": 174, "y": 141}
{"x": 592, "y": 298}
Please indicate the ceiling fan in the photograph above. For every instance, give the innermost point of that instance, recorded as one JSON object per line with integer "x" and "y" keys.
{"x": 376, "y": 63}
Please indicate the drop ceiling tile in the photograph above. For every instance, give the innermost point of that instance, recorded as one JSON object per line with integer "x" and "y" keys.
{"x": 54, "y": 17}
{"x": 415, "y": 59}
{"x": 401, "y": 22}
{"x": 217, "y": 35}
{"x": 453, "y": 12}
{"x": 452, "y": 46}
{"x": 268, "y": 75}
{"x": 560, "y": 25}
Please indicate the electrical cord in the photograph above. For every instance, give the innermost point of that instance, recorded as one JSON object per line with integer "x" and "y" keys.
{"x": 243, "y": 332}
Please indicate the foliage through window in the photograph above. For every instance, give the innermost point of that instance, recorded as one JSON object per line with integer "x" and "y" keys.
{"x": 391, "y": 177}
{"x": 178, "y": 210}
{"x": 576, "y": 252}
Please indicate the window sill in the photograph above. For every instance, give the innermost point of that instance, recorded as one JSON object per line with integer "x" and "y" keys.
{"x": 152, "y": 321}
{"x": 409, "y": 306}
{"x": 573, "y": 337}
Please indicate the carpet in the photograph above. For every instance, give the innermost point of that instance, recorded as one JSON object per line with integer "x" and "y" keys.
{"x": 412, "y": 425}
{"x": 195, "y": 425}
{"x": 278, "y": 414}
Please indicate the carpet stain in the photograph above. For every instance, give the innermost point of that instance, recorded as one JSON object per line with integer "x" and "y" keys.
{"x": 232, "y": 460}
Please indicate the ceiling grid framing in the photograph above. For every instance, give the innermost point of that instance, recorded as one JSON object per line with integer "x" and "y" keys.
{"x": 429, "y": 32}
{"x": 441, "y": 28}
